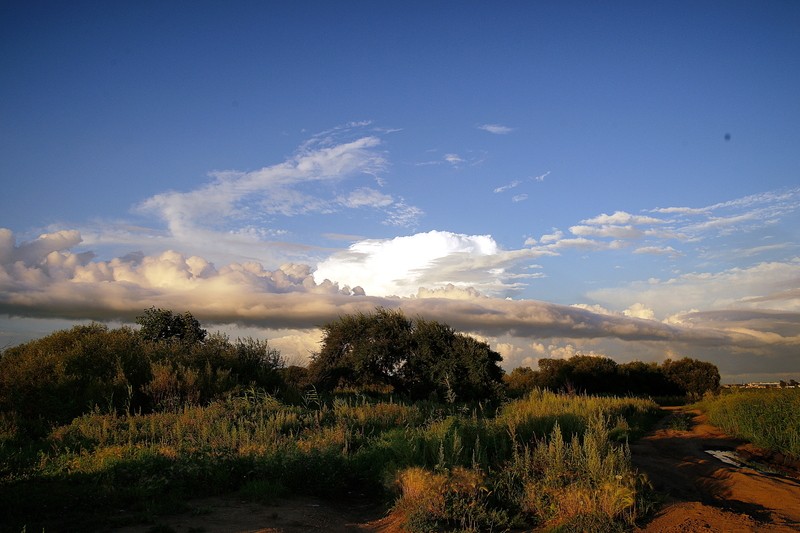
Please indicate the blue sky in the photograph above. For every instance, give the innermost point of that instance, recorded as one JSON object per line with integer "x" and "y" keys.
{"x": 554, "y": 178}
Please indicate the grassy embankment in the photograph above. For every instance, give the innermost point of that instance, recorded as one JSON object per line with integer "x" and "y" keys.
{"x": 546, "y": 459}
{"x": 767, "y": 418}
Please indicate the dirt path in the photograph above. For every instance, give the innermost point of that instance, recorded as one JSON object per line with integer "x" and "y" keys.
{"x": 706, "y": 494}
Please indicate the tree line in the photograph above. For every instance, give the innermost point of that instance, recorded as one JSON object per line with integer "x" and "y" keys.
{"x": 602, "y": 375}
{"x": 171, "y": 361}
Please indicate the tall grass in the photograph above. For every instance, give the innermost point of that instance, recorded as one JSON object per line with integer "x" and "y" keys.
{"x": 544, "y": 459}
{"x": 767, "y": 418}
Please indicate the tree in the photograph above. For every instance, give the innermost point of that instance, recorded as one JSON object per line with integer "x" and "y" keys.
{"x": 640, "y": 378}
{"x": 593, "y": 375}
{"x": 520, "y": 381}
{"x": 420, "y": 358}
{"x": 363, "y": 350}
{"x": 553, "y": 374}
{"x": 162, "y": 324}
{"x": 692, "y": 376}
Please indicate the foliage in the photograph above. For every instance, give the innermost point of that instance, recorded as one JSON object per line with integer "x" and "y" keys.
{"x": 520, "y": 381}
{"x": 418, "y": 358}
{"x": 490, "y": 464}
{"x": 693, "y": 377}
{"x": 601, "y": 375}
{"x": 767, "y": 418}
{"x": 68, "y": 373}
{"x": 93, "y": 418}
{"x": 162, "y": 325}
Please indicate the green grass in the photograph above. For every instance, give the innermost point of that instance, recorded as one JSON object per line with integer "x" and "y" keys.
{"x": 544, "y": 459}
{"x": 767, "y": 418}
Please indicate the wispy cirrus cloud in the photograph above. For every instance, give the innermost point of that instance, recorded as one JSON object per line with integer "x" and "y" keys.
{"x": 453, "y": 159}
{"x": 516, "y": 183}
{"x": 739, "y": 215}
{"x": 496, "y": 129}
{"x": 236, "y": 213}
{"x": 774, "y": 281}
{"x": 365, "y": 197}
{"x": 670, "y": 231}
{"x": 508, "y": 186}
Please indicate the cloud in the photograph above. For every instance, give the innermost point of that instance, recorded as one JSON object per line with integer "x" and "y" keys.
{"x": 366, "y": 197}
{"x": 774, "y": 283}
{"x": 583, "y": 243}
{"x": 436, "y": 259}
{"x": 517, "y": 183}
{"x": 519, "y": 198}
{"x": 453, "y": 159}
{"x": 657, "y": 250}
{"x": 607, "y": 230}
{"x": 638, "y": 310}
{"x": 273, "y": 189}
{"x": 240, "y": 211}
{"x": 504, "y": 188}
{"x": 755, "y": 316}
{"x": 734, "y": 216}
{"x": 403, "y": 215}
{"x": 496, "y": 129}
{"x": 621, "y": 217}
{"x": 34, "y": 252}
{"x": 551, "y": 237}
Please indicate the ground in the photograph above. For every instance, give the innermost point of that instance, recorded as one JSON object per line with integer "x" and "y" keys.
{"x": 701, "y": 493}
{"x": 704, "y": 493}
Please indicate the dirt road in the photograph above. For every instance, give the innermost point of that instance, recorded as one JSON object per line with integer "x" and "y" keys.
{"x": 706, "y": 494}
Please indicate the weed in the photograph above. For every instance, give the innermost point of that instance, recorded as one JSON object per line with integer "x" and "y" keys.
{"x": 540, "y": 460}
{"x": 768, "y": 418}
{"x": 680, "y": 422}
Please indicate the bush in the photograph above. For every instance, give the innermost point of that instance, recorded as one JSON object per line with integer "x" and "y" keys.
{"x": 50, "y": 381}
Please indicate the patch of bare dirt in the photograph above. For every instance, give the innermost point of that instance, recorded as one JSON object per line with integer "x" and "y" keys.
{"x": 706, "y": 494}
{"x": 295, "y": 515}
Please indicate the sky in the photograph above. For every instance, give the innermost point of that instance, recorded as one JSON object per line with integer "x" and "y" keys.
{"x": 554, "y": 178}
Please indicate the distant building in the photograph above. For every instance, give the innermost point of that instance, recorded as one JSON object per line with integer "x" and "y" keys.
{"x": 764, "y": 385}
{"x": 791, "y": 384}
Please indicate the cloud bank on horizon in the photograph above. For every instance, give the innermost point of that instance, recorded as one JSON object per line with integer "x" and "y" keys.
{"x": 738, "y": 317}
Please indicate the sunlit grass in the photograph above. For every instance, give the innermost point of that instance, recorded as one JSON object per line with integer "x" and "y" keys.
{"x": 544, "y": 459}
{"x": 767, "y": 418}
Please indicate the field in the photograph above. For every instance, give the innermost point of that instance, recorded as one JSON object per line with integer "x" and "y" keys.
{"x": 547, "y": 459}
{"x": 767, "y": 418}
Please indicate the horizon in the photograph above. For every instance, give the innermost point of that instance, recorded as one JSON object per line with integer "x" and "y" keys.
{"x": 619, "y": 181}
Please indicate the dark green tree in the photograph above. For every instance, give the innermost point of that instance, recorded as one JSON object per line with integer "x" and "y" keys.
{"x": 420, "y": 358}
{"x": 692, "y": 376}
{"x": 593, "y": 375}
{"x": 162, "y": 324}
{"x": 640, "y": 379}
{"x": 363, "y": 350}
